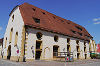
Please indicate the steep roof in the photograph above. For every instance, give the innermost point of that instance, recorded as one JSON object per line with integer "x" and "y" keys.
{"x": 51, "y": 22}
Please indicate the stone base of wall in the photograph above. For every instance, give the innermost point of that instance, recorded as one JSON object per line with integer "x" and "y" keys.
{"x": 4, "y": 57}
{"x": 89, "y": 58}
{"x": 59, "y": 59}
{"x": 29, "y": 60}
{"x": 75, "y": 58}
{"x": 82, "y": 58}
{"x": 14, "y": 58}
{"x": 0, "y": 57}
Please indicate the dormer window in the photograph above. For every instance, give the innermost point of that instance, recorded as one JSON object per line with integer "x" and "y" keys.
{"x": 43, "y": 13}
{"x": 62, "y": 21}
{"x": 54, "y": 17}
{"x": 33, "y": 9}
{"x": 37, "y": 20}
{"x": 80, "y": 34}
{"x": 12, "y": 18}
{"x": 73, "y": 31}
{"x": 68, "y": 21}
{"x": 78, "y": 28}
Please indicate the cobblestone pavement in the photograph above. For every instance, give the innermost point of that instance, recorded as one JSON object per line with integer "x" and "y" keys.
{"x": 92, "y": 62}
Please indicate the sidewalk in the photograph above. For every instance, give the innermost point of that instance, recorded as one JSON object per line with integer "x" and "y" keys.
{"x": 57, "y": 63}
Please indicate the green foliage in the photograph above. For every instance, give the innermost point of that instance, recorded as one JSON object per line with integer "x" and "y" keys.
{"x": 98, "y": 56}
{"x": 95, "y": 56}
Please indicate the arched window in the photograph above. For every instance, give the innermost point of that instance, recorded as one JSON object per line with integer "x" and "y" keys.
{"x": 39, "y": 35}
{"x": 16, "y": 39}
{"x": 56, "y": 38}
{"x": 6, "y": 42}
{"x": 12, "y": 18}
{"x": 11, "y": 32}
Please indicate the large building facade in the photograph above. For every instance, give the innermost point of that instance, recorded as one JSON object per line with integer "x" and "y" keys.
{"x": 1, "y": 46}
{"x": 35, "y": 34}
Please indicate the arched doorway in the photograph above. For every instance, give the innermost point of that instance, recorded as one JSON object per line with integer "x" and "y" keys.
{"x": 47, "y": 53}
{"x": 9, "y": 52}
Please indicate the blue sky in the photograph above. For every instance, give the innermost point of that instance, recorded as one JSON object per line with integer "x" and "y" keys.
{"x": 83, "y": 12}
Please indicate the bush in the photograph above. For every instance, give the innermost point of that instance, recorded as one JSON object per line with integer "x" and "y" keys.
{"x": 93, "y": 56}
{"x": 98, "y": 56}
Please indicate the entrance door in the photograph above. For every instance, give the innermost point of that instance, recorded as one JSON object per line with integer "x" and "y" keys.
{"x": 9, "y": 52}
{"x": 38, "y": 54}
{"x": 38, "y": 49}
{"x": 78, "y": 55}
{"x": 85, "y": 56}
{"x": 55, "y": 50}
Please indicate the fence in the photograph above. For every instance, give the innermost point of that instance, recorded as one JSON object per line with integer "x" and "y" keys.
{"x": 67, "y": 55}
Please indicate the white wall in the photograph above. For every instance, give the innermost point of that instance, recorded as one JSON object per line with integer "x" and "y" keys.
{"x": 17, "y": 26}
{"x": 48, "y": 41}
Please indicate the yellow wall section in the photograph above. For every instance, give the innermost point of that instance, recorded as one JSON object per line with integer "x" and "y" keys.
{"x": 11, "y": 35}
{"x": 22, "y": 45}
{"x": 5, "y": 42}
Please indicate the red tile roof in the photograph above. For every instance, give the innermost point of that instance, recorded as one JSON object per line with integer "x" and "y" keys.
{"x": 51, "y": 22}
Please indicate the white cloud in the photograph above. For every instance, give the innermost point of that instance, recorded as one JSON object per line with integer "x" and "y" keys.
{"x": 96, "y": 19}
{"x": 0, "y": 28}
{"x": 97, "y": 23}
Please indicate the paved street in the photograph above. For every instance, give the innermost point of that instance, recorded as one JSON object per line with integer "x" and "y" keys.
{"x": 51, "y": 63}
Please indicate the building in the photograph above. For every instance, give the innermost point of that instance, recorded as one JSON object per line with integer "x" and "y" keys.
{"x": 92, "y": 46}
{"x": 35, "y": 34}
{"x": 1, "y": 46}
{"x": 98, "y": 48}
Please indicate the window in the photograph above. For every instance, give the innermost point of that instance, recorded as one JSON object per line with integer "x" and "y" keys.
{"x": 12, "y": 18}
{"x": 11, "y": 32}
{"x": 33, "y": 9}
{"x": 16, "y": 38}
{"x": 80, "y": 34}
{"x": 62, "y": 21}
{"x": 68, "y": 40}
{"x": 43, "y": 12}
{"x": 73, "y": 31}
{"x": 77, "y": 41}
{"x": 6, "y": 42}
{"x": 37, "y": 20}
{"x": 84, "y": 43}
{"x": 39, "y": 35}
{"x": 68, "y": 22}
{"x": 54, "y": 17}
{"x": 56, "y": 38}
{"x": 38, "y": 45}
{"x": 87, "y": 36}
{"x": 55, "y": 50}
{"x": 79, "y": 28}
